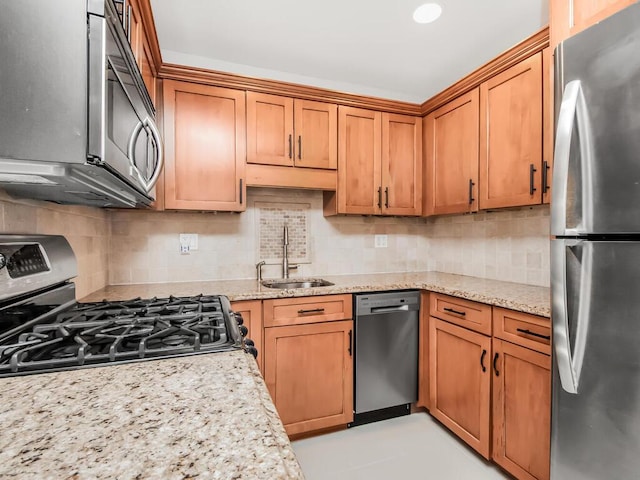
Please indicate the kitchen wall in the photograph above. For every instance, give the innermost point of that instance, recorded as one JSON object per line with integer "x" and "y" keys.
{"x": 145, "y": 245}
{"x": 86, "y": 228}
{"x": 510, "y": 245}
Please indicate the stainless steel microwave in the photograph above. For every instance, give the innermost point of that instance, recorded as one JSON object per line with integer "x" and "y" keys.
{"x": 77, "y": 124}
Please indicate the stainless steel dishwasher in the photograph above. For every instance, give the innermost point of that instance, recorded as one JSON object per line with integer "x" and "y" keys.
{"x": 386, "y": 355}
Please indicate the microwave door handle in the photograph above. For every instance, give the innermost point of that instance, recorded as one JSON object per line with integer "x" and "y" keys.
{"x": 147, "y": 184}
{"x": 159, "y": 161}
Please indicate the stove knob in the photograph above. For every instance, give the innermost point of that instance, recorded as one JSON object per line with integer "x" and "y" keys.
{"x": 244, "y": 330}
{"x": 239, "y": 318}
{"x": 253, "y": 351}
{"x": 3, "y": 261}
{"x": 249, "y": 343}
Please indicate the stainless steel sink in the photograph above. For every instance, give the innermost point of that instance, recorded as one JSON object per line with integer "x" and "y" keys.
{"x": 293, "y": 283}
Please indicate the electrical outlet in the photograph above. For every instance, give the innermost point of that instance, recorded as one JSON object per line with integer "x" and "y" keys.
{"x": 380, "y": 241}
{"x": 188, "y": 242}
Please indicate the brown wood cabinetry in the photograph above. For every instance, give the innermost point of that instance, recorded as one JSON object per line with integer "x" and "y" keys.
{"x": 460, "y": 382}
{"x": 568, "y": 17}
{"x": 451, "y": 139}
{"x": 511, "y": 136}
{"x": 423, "y": 355}
{"x": 379, "y": 164}
{"x": 204, "y": 131}
{"x": 140, "y": 45}
{"x": 251, "y": 311}
{"x": 308, "y": 363}
{"x": 521, "y": 407}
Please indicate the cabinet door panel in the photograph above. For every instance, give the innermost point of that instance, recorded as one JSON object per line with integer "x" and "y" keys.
{"x": 452, "y": 136}
{"x": 269, "y": 129}
{"x": 205, "y": 147}
{"x": 359, "y": 176}
{"x": 459, "y": 387}
{"x": 316, "y": 132}
{"x": 401, "y": 164}
{"x": 251, "y": 311}
{"x": 309, "y": 373}
{"x": 521, "y": 410}
{"x": 511, "y": 136}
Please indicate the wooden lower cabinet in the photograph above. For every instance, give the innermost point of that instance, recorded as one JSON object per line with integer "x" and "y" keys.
{"x": 423, "y": 352}
{"x": 251, "y": 311}
{"x": 521, "y": 410}
{"x": 308, "y": 370}
{"x": 460, "y": 382}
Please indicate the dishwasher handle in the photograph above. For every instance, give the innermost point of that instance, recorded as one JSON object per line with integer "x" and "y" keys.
{"x": 397, "y": 308}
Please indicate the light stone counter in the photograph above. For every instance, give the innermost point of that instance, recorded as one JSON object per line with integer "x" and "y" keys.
{"x": 201, "y": 416}
{"x": 516, "y": 296}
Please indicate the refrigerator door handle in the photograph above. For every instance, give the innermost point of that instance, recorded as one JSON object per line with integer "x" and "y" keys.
{"x": 573, "y": 106}
{"x": 570, "y": 361}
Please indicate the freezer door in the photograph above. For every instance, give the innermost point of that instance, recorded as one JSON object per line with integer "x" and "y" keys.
{"x": 597, "y": 148}
{"x": 596, "y": 383}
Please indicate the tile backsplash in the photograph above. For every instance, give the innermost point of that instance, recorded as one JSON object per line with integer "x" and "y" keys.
{"x": 86, "y": 228}
{"x": 137, "y": 246}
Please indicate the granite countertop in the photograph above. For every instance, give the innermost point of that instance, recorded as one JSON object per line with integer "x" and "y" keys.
{"x": 206, "y": 416}
{"x": 516, "y": 296}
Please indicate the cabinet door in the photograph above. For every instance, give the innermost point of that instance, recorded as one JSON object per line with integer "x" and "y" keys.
{"x": 205, "y": 147}
{"x": 423, "y": 378}
{"x": 308, "y": 370}
{"x": 269, "y": 129}
{"x": 359, "y": 171}
{"x": 401, "y": 164}
{"x": 521, "y": 410}
{"x": 251, "y": 311}
{"x": 547, "y": 124}
{"x": 452, "y": 137}
{"x": 316, "y": 132}
{"x": 511, "y": 136}
{"x": 568, "y": 17}
{"x": 460, "y": 382}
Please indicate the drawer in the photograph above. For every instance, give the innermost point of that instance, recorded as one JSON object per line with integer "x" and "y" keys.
{"x": 522, "y": 329}
{"x": 472, "y": 315}
{"x": 301, "y": 310}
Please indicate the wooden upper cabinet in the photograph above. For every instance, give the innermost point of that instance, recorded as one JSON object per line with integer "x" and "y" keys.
{"x": 359, "y": 168}
{"x": 547, "y": 123}
{"x": 269, "y": 129}
{"x": 511, "y": 136}
{"x": 568, "y": 17}
{"x": 452, "y": 136}
{"x": 287, "y": 132}
{"x": 316, "y": 134}
{"x": 521, "y": 410}
{"x": 204, "y": 130}
{"x": 401, "y": 164}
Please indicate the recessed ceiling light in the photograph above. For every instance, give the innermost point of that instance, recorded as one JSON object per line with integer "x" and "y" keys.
{"x": 427, "y": 13}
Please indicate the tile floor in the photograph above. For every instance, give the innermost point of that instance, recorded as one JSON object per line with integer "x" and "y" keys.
{"x": 414, "y": 446}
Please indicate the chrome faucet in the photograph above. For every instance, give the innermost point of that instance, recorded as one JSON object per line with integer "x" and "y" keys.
{"x": 285, "y": 254}
{"x": 259, "y": 266}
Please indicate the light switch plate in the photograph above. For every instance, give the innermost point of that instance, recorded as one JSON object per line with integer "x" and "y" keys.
{"x": 380, "y": 241}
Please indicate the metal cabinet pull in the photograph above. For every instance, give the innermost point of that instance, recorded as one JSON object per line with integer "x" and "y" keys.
{"x": 495, "y": 365}
{"x": 386, "y": 197}
{"x": 484, "y": 353}
{"x": 313, "y": 311}
{"x": 351, "y": 343}
{"x": 471, "y": 185}
{"x": 290, "y": 146}
{"x": 532, "y": 171}
{"x": 241, "y": 192}
{"x": 379, "y": 197}
{"x": 451, "y": 310}
{"x": 299, "y": 147}
{"x": 529, "y": 332}
{"x": 545, "y": 176}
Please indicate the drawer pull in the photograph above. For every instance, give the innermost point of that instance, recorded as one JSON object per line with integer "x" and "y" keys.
{"x": 313, "y": 311}
{"x": 529, "y": 332}
{"x": 484, "y": 352}
{"x": 451, "y": 310}
{"x": 495, "y": 366}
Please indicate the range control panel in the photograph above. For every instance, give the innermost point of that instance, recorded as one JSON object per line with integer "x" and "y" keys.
{"x": 26, "y": 260}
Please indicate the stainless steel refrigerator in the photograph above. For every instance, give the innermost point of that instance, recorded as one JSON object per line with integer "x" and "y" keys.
{"x": 595, "y": 253}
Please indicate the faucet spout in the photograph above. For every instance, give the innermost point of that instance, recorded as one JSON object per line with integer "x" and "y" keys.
{"x": 285, "y": 254}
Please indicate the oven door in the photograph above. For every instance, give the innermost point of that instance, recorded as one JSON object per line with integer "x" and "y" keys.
{"x": 123, "y": 136}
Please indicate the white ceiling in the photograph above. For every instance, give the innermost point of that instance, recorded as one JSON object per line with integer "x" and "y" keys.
{"x": 370, "y": 47}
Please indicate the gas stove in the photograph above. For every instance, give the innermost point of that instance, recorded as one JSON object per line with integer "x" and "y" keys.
{"x": 43, "y": 328}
